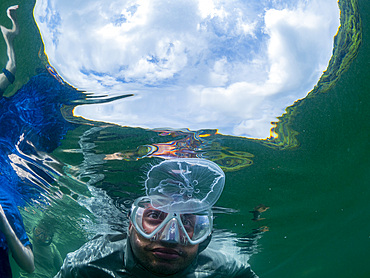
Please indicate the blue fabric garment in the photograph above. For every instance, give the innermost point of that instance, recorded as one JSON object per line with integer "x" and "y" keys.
{"x": 35, "y": 112}
{"x": 30, "y": 121}
{"x": 15, "y": 219}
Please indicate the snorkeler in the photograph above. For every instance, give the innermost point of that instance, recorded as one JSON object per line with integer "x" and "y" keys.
{"x": 169, "y": 232}
{"x": 47, "y": 257}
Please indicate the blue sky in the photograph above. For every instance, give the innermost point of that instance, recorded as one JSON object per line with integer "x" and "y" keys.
{"x": 232, "y": 65}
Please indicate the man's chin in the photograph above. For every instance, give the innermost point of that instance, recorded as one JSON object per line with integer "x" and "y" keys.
{"x": 164, "y": 269}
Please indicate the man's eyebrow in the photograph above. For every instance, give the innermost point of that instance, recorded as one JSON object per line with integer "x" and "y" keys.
{"x": 148, "y": 210}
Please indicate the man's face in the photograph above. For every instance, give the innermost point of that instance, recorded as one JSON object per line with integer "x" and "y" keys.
{"x": 161, "y": 257}
{"x": 42, "y": 236}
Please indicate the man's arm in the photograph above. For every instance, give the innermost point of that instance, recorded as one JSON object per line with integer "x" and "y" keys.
{"x": 22, "y": 254}
{"x": 100, "y": 257}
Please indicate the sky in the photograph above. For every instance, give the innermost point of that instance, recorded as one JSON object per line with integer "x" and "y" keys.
{"x": 231, "y": 65}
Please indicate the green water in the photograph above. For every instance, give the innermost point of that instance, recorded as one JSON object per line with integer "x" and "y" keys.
{"x": 320, "y": 190}
{"x": 314, "y": 177}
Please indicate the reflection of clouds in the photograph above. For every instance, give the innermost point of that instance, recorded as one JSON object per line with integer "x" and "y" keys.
{"x": 192, "y": 64}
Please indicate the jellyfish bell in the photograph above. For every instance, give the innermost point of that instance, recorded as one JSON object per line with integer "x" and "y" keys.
{"x": 186, "y": 185}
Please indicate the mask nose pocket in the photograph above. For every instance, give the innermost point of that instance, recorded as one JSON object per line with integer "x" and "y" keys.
{"x": 171, "y": 232}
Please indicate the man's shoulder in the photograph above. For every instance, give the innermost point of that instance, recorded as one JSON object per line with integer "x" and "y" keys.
{"x": 102, "y": 254}
{"x": 213, "y": 262}
{"x": 100, "y": 246}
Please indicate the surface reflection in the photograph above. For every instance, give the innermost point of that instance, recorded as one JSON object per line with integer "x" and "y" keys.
{"x": 191, "y": 58}
{"x": 189, "y": 144}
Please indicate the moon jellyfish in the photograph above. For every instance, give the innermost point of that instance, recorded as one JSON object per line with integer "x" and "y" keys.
{"x": 184, "y": 185}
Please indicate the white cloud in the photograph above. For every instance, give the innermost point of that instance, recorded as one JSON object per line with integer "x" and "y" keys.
{"x": 230, "y": 65}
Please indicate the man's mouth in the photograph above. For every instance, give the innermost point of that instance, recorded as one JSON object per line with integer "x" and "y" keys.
{"x": 166, "y": 253}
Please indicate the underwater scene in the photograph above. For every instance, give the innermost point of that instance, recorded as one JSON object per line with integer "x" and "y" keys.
{"x": 276, "y": 93}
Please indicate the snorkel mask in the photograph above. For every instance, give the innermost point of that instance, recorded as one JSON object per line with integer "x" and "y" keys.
{"x": 42, "y": 236}
{"x": 180, "y": 194}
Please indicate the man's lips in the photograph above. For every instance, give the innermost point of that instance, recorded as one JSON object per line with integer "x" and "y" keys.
{"x": 166, "y": 253}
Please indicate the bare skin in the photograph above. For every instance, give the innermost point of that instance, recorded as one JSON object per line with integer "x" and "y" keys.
{"x": 160, "y": 257}
{"x": 9, "y": 35}
{"x": 21, "y": 254}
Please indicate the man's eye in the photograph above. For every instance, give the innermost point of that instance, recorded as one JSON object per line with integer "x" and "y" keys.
{"x": 153, "y": 214}
{"x": 188, "y": 221}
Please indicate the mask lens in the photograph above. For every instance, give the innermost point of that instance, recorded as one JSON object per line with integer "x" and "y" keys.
{"x": 202, "y": 225}
{"x": 151, "y": 219}
{"x": 181, "y": 228}
{"x": 42, "y": 236}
